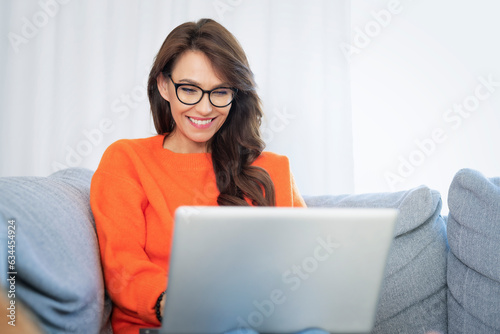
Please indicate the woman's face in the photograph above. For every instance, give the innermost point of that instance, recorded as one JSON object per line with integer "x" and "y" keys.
{"x": 194, "y": 124}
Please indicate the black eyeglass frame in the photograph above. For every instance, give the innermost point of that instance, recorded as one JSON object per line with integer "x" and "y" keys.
{"x": 209, "y": 92}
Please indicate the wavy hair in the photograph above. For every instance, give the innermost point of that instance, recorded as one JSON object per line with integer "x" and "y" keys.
{"x": 238, "y": 142}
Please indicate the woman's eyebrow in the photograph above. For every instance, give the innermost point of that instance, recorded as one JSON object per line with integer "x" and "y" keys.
{"x": 196, "y": 83}
{"x": 189, "y": 81}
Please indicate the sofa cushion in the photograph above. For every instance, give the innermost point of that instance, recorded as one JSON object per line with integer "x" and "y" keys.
{"x": 59, "y": 275}
{"x": 474, "y": 259}
{"x": 413, "y": 295}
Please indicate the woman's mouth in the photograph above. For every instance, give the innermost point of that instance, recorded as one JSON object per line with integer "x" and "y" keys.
{"x": 201, "y": 123}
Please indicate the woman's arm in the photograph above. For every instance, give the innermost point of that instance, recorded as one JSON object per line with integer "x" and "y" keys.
{"x": 118, "y": 202}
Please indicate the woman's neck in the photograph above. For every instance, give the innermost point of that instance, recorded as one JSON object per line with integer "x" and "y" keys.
{"x": 176, "y": 144}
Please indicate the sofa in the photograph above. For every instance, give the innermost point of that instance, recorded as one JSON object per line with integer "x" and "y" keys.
{"x": 442, "y": 273}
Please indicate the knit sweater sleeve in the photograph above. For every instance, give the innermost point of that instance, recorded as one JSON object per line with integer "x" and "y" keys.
{"x": 118, "y": 202}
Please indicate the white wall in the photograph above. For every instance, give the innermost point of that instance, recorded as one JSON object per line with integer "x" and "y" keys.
{"x": 73, "y": 79}
{"x": 85, "y": 68}
{"x": 410, "y": 79}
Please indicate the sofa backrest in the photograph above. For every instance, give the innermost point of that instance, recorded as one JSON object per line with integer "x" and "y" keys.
{"x": 57, "y": 260}
{"x": 413, "y": 296}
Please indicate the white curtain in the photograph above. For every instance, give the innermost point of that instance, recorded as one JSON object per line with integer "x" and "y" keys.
{"x": 73, "y": 79}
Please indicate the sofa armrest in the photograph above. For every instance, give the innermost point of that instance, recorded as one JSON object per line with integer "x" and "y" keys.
{"x": 474, "y": 259}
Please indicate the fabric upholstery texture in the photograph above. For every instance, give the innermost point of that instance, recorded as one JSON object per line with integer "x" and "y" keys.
{"x": 426, "y": 288}
{"x": 474, "y": 258}
{"x": 58, "y": 266}
{"x": 413, "y": 297}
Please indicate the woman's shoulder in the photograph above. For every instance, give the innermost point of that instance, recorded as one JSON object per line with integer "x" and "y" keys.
{"x": 270, "y": 159}
{"x": 137, "y": 143}
{"x": 123, "y": 150}
{"x": 272, "y": 156}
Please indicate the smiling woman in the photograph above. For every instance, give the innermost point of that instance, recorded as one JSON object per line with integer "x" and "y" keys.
{"x": 196, "y": 117}
{"x": 208, "y": 151}
{"x": 206, "y": 54}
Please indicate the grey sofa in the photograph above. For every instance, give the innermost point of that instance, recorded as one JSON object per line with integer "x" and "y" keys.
{"x": 443, "y": 273}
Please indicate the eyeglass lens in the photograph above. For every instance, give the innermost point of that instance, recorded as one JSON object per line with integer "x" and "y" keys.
{"x": 220, "y": 97}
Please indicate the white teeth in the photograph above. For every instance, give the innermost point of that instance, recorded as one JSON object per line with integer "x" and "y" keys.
{"x": 199, "y": 122}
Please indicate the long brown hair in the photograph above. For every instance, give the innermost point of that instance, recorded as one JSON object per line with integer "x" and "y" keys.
{"x": 238, "y": 142}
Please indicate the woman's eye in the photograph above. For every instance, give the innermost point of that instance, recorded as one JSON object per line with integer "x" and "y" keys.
{"x": 188, "y": 90}
{"x": 221, "y": 92}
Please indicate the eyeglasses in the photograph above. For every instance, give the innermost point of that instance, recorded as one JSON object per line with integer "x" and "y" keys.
{"x": 190, "y": 94}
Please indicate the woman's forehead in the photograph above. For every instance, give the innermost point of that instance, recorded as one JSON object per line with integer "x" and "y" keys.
{"x": 196, "y": 67}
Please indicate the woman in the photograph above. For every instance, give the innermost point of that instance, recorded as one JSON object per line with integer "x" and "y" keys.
{"x": 208, "y": 151}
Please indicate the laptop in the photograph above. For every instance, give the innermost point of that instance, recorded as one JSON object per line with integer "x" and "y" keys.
{"x": 276, "y": 270}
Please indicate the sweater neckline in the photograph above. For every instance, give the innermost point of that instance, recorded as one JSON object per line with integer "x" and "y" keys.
{"x": 184, "y": 161}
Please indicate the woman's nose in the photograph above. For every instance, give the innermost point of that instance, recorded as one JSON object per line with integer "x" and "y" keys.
{"x": 204, "y": 106}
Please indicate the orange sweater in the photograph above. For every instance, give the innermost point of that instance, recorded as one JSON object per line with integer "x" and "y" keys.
{"x": 134, "y": 193}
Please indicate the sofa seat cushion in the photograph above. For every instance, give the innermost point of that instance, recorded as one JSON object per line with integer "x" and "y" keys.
{"x": 59, "y": 276}
{"x": 413, "y": 295}
{"x": 474, "y": 259}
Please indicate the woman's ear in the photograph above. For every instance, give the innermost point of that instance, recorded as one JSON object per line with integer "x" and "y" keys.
{"x": 162, "y": 84}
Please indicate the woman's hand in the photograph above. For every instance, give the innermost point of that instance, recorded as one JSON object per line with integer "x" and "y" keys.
{"x": 162, "y": 306}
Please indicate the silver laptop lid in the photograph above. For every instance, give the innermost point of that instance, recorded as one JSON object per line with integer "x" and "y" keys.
{"x": 276, "y": 270}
